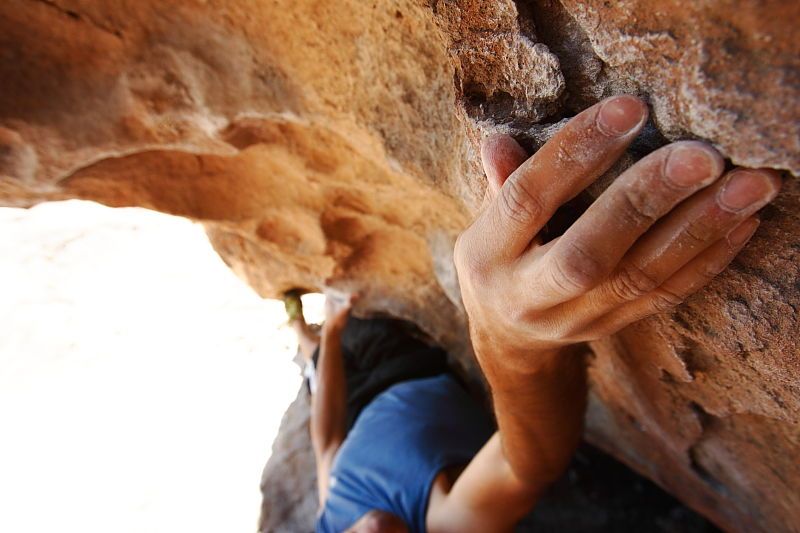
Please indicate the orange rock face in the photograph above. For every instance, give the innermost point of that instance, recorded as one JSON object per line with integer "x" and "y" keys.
{"x": 333, "y": 144}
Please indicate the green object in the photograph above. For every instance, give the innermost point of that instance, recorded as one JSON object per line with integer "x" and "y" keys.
{"x": 293, "y": 305}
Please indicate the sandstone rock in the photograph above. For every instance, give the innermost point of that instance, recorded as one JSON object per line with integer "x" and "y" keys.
{"x": 289, "y": 481}
{"x": 334, "y": 144}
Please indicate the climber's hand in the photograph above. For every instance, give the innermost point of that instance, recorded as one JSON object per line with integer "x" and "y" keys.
{"x": 337, "y": 311}
{"x": 659, "y": 233}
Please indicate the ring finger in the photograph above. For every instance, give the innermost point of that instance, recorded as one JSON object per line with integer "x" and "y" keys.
{"x": 691, "y": 228}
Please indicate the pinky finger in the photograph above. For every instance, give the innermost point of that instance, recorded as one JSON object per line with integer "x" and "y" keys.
{"x": 692, "y": 277}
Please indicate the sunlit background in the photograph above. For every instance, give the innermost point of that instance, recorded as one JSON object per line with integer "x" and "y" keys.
{"x": 141, "y": 382}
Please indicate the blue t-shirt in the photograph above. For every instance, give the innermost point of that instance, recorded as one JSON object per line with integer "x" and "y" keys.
{"x": 398, "y": 445}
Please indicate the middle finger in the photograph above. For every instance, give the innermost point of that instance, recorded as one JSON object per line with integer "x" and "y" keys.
{"x": 687, "y": 231}
{"x": 590, "y": 250}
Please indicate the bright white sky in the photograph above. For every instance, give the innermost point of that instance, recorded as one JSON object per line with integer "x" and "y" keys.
{"x": 141, "y": 383}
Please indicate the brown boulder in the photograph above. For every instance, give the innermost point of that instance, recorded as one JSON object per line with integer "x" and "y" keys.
{"x": 334, "y": 144}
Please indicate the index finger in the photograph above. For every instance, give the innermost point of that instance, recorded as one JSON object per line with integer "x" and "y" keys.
{"x": 577, "y": 155}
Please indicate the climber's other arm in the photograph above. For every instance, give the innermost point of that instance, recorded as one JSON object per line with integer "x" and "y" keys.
{"x": 328, "y": 404}
{"x": 659, "y": 233}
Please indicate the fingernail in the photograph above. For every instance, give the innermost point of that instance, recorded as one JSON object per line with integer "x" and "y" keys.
{"x": 743, "y": 232}
{"x": 691, "y": 165}
{"x": 745, "y": 188}
{"x": 620, "y": 115}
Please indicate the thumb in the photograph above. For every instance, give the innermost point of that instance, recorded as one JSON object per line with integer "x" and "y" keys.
{"x": 501, "y": 156}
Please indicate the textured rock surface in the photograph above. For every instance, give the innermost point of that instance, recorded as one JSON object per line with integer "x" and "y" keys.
{"x": 289, "y": 481}
{"x": 334, "y": 144}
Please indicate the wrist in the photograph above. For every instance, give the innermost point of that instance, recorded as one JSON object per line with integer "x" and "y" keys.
{"x": 552, "y": 368}
{"x": 508, "y": 368}
{"x": 514, "y": 348}
{"x": 510, "y": 365}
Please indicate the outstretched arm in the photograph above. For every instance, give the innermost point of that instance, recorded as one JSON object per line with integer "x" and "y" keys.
{"x": 328, "y": 405}
{"x": 659, "y": 233}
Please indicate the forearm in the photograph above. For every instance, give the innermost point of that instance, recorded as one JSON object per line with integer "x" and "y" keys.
{"x": 328, "y": 405}
{"x": 539, "y": 408}
{"x": 539, "y": 411}
{"x": 629, "y": 256}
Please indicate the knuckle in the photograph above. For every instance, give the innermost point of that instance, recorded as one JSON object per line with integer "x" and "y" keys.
{"x": 518, "y": 203}
{"x": 516, "y": 314}
{"x": 697, "y": 233}
{"x": 664, "y": 300}
{"x": 568, "y": 154}
{"x": 713, "y": 269}
{"x": 631, "y": 282}
{"x": 638, "y": 209}
{"x": 709, "y": 270}
{"x": 569, "y": 327}
{"x": 472, "y": 266}
{"x": 576, "y": 271}
{"x": 564, "y": 330}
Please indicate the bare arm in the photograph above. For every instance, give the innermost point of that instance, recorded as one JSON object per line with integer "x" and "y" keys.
{"x": 659, "y": 233}
{"x": 540, "y": 418}
{"x": 328, "y": 405}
